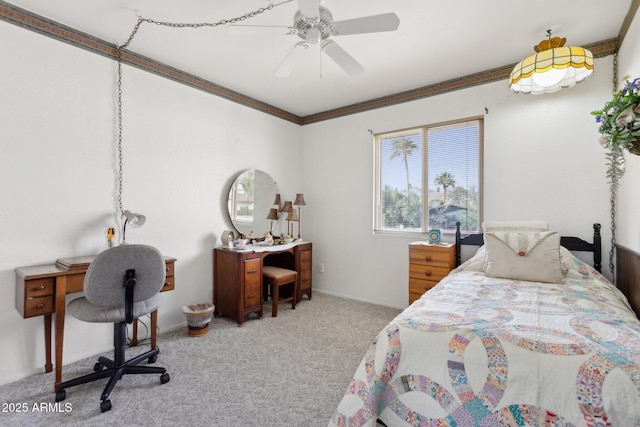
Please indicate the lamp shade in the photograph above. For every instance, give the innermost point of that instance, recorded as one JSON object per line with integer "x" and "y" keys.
{"x": 273, "y": 214}
{"x": 134, "y": 220}
{"x": 286, "y": 207}
{"x": 551, "y": 68}
{"x": 277, "y": 200}
{"x": 293, "y": 215}
{"x": 299, "y": 200}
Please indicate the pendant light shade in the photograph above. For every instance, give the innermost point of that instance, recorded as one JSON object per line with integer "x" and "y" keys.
{"x": 553, "y": 67}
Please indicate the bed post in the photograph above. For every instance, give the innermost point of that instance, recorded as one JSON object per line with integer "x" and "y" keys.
{"x": 597, "y": 248}
{"x": 457, "y": 243}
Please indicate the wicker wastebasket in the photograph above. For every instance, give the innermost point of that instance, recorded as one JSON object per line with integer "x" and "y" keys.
{"x": 198, "y": 318}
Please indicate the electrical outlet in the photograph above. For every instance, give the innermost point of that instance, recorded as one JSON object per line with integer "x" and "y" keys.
{"x": 321, "y": 267}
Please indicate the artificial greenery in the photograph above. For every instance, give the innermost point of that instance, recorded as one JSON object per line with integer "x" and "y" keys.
{"x": 620, "y": 128}
{"x": 619, "y": 119}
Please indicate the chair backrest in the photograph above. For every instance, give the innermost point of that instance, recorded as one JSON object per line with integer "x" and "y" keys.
{"x": 104, "y": 280}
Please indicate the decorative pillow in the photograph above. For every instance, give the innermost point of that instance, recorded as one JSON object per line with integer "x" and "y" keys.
{"x": 476, "y": 262}
{"x": 514, "y": 226}
{"x": 531, "y": 256}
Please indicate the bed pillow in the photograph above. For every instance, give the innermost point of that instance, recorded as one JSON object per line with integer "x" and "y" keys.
{"x": 514, "y": 226}
{"x": 531, "y": 256}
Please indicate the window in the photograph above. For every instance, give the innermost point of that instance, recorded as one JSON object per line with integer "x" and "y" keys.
{"x": 429, "y": 177}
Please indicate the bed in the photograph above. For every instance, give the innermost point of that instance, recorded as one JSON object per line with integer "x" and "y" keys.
{"x": 483, "y": 348}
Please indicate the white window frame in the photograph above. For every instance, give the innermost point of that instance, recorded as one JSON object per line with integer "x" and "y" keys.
{"x": 377, "y": 196}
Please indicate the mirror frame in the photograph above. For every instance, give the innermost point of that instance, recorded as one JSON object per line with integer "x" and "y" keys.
{"x": 252, "y": 191}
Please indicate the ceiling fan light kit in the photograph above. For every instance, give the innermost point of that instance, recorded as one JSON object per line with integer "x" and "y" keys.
{"x": 314, "y": 23}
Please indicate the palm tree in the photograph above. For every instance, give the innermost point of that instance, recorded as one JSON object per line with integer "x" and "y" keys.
{"x": 403, "y": 147}
{"x": 446, "y": 180}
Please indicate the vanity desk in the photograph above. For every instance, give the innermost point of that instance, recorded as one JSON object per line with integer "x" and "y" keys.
{"x": 237, "y": 276}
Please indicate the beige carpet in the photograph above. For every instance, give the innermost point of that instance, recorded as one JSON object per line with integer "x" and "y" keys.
{"x": 291, "y": 370}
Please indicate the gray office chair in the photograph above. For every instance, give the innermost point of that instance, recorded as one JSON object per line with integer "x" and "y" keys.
{"x": 121, "y": 284}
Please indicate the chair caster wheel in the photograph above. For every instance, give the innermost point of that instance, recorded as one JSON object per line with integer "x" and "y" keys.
{"x": 61, "y": 395}
{"x": 98, "y": 367}
{"x": 153, "y": 358}
{"x": 164, "y": 378}
{"x": 105, "y": 405}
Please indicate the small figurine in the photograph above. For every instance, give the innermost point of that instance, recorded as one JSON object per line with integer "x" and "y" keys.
{"x": 111, "y": 233}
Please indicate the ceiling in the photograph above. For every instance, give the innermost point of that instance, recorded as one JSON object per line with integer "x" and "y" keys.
{"x": 437, "y": 41}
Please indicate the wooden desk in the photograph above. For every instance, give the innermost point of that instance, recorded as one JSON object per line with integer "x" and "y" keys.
{"x": 41, "y": 290}
{"x": 237, "y": 276}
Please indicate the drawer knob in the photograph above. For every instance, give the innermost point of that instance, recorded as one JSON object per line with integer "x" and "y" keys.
{"x": 252, "y": 271}
{"x": 252, "y": 295}
{"x": 427, "y": 273}
{"x": 40, "y": 306}
{"x": 427, "y": 258}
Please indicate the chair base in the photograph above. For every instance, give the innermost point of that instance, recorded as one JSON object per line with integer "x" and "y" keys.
{"x": 115, "y": 369}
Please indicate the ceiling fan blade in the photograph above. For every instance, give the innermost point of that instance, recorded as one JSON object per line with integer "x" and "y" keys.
{"x": 252, "y": 29}
{"x": 367, "y": 24}
{"x": 309, "y": 8}
{"x": 290, "y": 61}
{"x": 342, "y": 58}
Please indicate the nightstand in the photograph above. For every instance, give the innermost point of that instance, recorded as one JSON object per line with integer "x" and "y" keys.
{"x": 428, "y": 264}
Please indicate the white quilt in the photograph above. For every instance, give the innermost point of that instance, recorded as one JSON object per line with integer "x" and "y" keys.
{"x": 480, "y": 351}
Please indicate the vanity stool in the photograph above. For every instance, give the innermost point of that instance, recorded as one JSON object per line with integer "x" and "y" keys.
{"x": 276, "y": 277}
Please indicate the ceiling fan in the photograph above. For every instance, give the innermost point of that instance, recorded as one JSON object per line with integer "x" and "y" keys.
{"x": 314, "y": 24}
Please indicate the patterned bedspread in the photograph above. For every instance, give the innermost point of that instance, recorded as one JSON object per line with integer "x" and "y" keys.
{"x": 480, "y": 351}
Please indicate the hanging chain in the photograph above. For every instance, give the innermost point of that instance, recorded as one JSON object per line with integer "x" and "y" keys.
{"x": 119, "y": 50}
{"x": 616, "y": 159}
{"x": 119, "y": 118}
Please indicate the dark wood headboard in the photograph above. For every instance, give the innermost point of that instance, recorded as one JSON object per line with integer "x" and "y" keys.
{"x": 571, "y": 243}
{"x": 628, "y": 275}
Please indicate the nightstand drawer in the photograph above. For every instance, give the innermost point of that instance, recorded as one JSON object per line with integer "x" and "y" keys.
{"x": 420, "y": 286}
{"x": 433, "y": 255}
{"x": 428, "y": 264}
{"x": 38, "y": 306}
{"x": 427, "y": 272}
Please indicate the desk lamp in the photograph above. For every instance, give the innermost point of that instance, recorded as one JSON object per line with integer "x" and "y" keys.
{"x": 133, "y": 219}
{"x": 273, "y": 214}
{"x": 299, "y": 202}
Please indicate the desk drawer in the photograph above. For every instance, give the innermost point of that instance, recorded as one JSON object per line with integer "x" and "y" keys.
{"x": 38, "y": 306}
{"x": 253, "y": 271}
{"x": 38, "y": 287}
{"x": 305, "y": 260}
{"x": 252, "y": 295}
{"x": 169, "y": 284}
{"x": 170, "y": 269}
{"x": 75, "y": 282}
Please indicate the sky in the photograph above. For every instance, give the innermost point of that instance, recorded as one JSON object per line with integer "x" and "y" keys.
{"x": 452, "y": 149}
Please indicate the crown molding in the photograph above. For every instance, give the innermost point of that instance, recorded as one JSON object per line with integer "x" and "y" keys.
{"x": 31, "y": 21}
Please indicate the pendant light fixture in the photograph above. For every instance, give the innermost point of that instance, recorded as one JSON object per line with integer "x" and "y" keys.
{"x": 553, "y": 67}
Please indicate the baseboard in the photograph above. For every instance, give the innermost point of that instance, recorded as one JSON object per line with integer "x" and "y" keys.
{"x": 368, "y": 301}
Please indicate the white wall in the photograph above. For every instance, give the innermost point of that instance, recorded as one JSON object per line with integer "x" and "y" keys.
{"x": 628, "y": 226}
{"x": 182, "y": 148}
{"x": 542, "y": 160}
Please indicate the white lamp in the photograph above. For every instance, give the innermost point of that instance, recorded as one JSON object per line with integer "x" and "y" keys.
{"x": 134, "y": 220}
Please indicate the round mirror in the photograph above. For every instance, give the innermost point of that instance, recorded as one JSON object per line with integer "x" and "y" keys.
{"x": 250, "y": 198}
